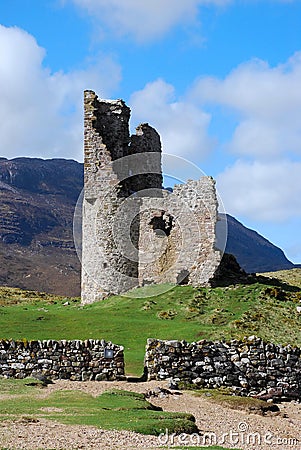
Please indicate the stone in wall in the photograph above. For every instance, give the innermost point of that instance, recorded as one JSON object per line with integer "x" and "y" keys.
{"x": 248, "y": 367}
{"x": 73, "y": 360}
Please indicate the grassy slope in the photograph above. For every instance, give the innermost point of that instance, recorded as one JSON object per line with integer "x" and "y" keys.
{"x": 181, "y": 313}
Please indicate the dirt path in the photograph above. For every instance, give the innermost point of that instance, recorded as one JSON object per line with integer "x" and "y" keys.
{"x": 229, "y": 428}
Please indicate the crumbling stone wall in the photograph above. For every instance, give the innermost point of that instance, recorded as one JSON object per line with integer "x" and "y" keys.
{"x": 177, "y": 235}
{"x": 106, "y": 138}
{"x": 74, "y": 360}
{"x": 135, "y": 232}
{"x": 251, "y": 366}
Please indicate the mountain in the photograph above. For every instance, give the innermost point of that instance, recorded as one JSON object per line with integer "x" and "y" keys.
{"x": 37, "y": 202}
{"x": 253, "y": 252}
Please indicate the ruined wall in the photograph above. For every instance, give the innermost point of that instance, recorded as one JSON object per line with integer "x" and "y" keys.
{"x": 106, "y": 139}
{"x": 251, "y": 366}
{"x": 177, "y": 235}
{"x": 73, "y": 360}
{"x": 135, "y": 232}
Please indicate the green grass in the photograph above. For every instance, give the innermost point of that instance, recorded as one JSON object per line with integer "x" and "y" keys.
{"x": 181, "y": 313}
{"x": 116, "y": 409}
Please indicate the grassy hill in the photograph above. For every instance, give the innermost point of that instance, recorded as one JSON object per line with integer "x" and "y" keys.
{"x": 266, "y": 308}
{"x": 292, "y": 276}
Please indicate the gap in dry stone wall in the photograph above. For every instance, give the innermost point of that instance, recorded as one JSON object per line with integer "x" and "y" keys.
{"x": 73, "y": 360}
{"x": 248, "y": 367}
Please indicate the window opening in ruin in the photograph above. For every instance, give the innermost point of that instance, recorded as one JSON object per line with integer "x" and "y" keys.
{"x": 183, "y": 277}
{"x": 162, "y": 225}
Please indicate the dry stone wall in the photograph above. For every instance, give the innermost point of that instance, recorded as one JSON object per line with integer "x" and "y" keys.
{"x": 248, "y": 367}
{"x": 73, "y": 360}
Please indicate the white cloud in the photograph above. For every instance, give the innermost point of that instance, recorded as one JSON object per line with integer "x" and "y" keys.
{"x": 40, "y": 111}
{"x": 181, "y": 125}
{"x": 265, "y": 183}
{"x": 261, "y": 190}
{"x": 267, "y": 101}
{"x": 144, "y": 19}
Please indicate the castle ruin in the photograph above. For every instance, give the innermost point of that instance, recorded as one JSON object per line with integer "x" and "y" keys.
{"x": 135, "y": 232}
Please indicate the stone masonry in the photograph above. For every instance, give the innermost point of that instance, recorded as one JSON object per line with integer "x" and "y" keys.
{"x": 134, "y": 231}
{"x": 248, "y": 367}
{"x": 73, "y": 360}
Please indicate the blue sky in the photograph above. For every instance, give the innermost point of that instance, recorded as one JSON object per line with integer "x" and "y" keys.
{"x": 219, "y": 79}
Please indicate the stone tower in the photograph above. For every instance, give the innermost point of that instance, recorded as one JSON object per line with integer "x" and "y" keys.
{"x": 134, "y": 232}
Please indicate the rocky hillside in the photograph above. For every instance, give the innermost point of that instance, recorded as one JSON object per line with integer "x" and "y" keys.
{"x": 37, "y": 200}
{"x": 253, "y": 252}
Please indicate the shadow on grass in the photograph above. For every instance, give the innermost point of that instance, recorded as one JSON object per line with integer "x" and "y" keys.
{"x": 230, "y": 272}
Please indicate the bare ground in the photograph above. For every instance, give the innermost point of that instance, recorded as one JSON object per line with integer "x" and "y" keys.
{"x": 230, "y": 428}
